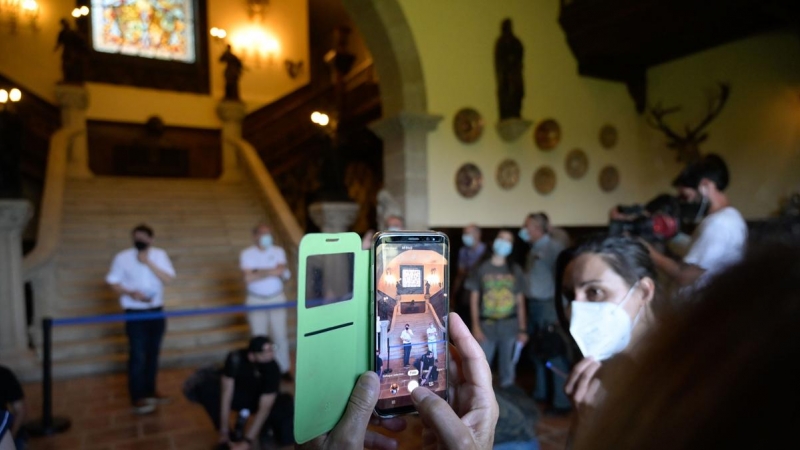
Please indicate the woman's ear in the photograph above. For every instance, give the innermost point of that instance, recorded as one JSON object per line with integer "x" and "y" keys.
{"x": 647, "y": 287}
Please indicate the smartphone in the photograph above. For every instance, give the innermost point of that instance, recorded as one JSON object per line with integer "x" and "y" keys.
{"x": 410, "y": 283}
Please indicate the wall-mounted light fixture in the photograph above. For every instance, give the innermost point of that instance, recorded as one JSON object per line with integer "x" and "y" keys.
{"x": 14, "y": 13}
{"x": 293, "y": 68}
{"x": 218, "y": 35}
{"x": 255, "y": 44}
{"x": 257, "y": 9}
{"x": 83, "y": 11}
{"x": 11, "y": 96}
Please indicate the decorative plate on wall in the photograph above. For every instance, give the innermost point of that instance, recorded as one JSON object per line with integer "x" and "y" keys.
{"x": 468, "y": 125}
{"x": 608, "y": 136}
{"x": 577, "y": 163}
{"x": 508, "y": 174}
{"x": 544, "y": 180}
{"x": 609, "y": 178}
{"x": 469, "y": 180}
{"x": 547, "y": 134}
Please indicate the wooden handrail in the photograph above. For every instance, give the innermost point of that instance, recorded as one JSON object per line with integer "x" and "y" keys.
{"x": 267, "y": 186}
{"x": 51, "y": 210}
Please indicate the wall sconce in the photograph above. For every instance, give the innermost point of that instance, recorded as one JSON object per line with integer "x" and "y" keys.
{"x": 14, "y": 12}
{"x": 323, "y": 120}
{"x": 13, "y": 96}
{"x": 83, "y": 11}
{"x": 257, "y": 8}
{"x": 255, "y": 44}
{"x": 218, "y": 35}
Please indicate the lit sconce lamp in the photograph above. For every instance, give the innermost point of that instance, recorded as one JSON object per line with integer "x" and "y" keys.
{"x": 218, "y": 35}
{"x": 12, "y": 12}
{"x": 83, "y": 11}
{"x": 255, "y": 44}
{"x": 293, "y": 68}
{"x": 323, "y": 120}
{"x": 13, "y": 96}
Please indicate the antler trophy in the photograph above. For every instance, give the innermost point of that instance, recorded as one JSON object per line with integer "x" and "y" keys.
{"x": 688, "y": 144}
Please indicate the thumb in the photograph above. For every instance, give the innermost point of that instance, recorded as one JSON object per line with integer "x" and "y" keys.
{"x": 437, "y": 414}
{"x": 353, "y": 425}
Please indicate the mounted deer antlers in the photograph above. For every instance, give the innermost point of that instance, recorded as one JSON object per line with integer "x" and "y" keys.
{"x": 688, "y": 144}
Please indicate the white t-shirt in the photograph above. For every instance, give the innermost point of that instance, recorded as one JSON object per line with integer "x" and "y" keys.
{"x": 253, "y": 258}
{"x": 405, "y": 336}
{"x": 432, "y": 332}
{"x": 127, "y": 271}
{"x": 718, "y": 242}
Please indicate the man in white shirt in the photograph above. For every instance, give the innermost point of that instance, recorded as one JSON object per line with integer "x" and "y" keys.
{"x": 433, "y": 336}
{"x": 406, "y": 336}
{"x": 719, "y": 241}
{"x": 138, "y": 275}
{"x": 264, "y": 267}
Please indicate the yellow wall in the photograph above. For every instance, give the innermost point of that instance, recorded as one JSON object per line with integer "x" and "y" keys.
{"x": 758, "y": 132}
{"x": 29, "y": 59}
{"x": 456, "y": 45}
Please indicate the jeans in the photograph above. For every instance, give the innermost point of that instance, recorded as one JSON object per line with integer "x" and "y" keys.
{"x": 272, "y": 323}
{"x": 144, "y": 344}
{"x": 501, "y": 336}
{"x": 549, "y": 386}
{"x": 406, "y": 354}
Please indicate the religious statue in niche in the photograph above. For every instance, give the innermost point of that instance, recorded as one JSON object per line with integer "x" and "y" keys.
{"x": 233, "y": 72}
{"x": 73, "y": 54}
{"x": 508, "y": 54}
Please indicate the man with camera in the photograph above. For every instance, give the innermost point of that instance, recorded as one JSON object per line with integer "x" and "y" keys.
{"x": 720, "y": 238}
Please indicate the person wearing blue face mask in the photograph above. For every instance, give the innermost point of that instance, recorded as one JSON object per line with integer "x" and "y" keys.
{"x": 497, "y": 306}
{"x": 468, "y": 257}
{"x": 264, "y": 268}
{"x": 610, "y": 284}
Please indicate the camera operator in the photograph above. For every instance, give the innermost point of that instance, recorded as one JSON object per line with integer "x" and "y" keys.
{"x": 720, "y": 238}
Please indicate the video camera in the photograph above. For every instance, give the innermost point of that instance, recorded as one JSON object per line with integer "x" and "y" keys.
{"x": 658, "y": 220}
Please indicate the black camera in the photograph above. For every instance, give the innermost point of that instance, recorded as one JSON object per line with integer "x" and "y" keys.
{"x": 657, "y": 221}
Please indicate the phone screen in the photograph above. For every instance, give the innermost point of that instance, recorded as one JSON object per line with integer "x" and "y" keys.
{"x": 411, "y": 304}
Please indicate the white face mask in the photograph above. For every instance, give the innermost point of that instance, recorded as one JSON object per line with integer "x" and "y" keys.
{"x": 601, "y": 329}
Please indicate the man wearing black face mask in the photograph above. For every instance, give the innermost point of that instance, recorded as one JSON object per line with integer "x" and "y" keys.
{"x": 720, "y": 238}
{"x": 138, "y": 275}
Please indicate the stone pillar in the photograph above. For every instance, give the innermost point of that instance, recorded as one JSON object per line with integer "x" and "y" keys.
{"x": 14, "y": 215}
{"x": 405, "y": 162}
{"x": 333, "y": 217}
{"x": 232, "y": 113}
{"x": 74, "y": 101}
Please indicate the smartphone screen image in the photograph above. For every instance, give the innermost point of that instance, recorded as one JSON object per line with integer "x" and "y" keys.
{"x": 411, "y": 287}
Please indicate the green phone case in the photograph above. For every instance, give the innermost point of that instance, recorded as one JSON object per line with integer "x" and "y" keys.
{"x": 332, "y": 340}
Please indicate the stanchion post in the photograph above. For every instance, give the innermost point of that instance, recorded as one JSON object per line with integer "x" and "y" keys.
{"x": 48, "y": 425}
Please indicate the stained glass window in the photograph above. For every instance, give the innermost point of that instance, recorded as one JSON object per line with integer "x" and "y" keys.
{"x": 159, "y": 29}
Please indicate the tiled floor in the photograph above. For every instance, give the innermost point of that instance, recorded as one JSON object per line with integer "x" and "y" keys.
{"x": 102, "y": 419}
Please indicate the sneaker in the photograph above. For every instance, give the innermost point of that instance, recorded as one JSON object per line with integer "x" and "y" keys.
{"x": 158, "y": 399}
{"x": 143, "y": 407}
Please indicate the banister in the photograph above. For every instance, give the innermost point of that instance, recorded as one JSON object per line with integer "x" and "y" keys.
{"x": 49, "y": 231}
{"x": 269, "y": 189}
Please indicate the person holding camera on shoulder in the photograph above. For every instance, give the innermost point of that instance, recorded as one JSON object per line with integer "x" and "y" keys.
{"x": 720, "y": 238}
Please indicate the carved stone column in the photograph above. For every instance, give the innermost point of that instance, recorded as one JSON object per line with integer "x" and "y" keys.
{"x": 14, "y": 215}
{"x": 232, "y": 114}
{"x": 333, "y": 217}
{"x": 74, "y": 101}
{"x": 405, "y": 162}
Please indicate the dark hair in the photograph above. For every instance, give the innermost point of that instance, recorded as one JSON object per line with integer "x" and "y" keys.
{"x": 542, "y": 219}
{"x": 703, "y": 371}
{"x": 711, "y": 167}
{"x": 628, "y": 257}
{"x": 257, "y": 344}
{"x": 144, "y": 229}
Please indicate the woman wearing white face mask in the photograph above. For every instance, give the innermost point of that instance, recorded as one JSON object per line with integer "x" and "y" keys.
{"x": 497, "y": 306}
{"x": 610, "y": 283}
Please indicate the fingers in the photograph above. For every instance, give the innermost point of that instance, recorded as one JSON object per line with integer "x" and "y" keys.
{"x": 579, "y": 379}
{"x": 474, "y": 367}
{"x": 437, "y": 414}
{"x": 349, "y": 432}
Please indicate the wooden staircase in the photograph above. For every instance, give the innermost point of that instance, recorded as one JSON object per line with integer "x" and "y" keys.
{"x": 202, "y": 224}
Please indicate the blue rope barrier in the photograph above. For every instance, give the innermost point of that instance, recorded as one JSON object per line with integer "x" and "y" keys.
{"x": 107, "y": 318}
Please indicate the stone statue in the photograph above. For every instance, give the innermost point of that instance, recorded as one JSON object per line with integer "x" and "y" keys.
{"x": 233, "y": 71}
{"x": 508, "y": 69}
{"x": 73, "y": 56}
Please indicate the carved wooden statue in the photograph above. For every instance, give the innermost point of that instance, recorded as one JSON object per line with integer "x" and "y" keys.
{"x": 233, "y": 72}
{"x": 688, "y": 144}
{"x": 73, "y": 56}
{"x": 508, "y": 54}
